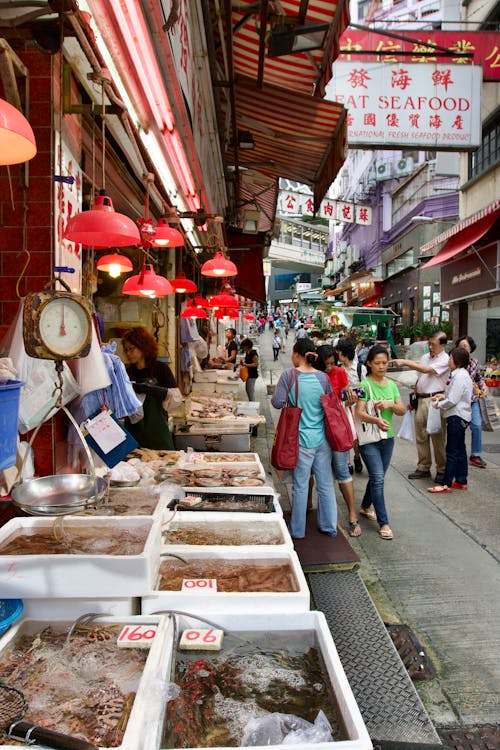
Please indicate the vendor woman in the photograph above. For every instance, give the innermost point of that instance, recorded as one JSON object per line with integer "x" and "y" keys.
{"x": 151, "y": 379}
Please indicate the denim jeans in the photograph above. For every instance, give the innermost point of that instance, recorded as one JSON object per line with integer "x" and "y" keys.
{"x": 317, "y": 461}
{"x": 476, "y": 426}
{"x": 377, "y": 457}
{"x": 456, "y": 455}
{"x": 340, "y": 466}
{"x": 250, "y": 388}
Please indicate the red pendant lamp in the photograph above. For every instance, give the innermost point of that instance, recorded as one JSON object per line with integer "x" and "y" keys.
{"x": 165, "y": 235}
{"x": 102, "y": 226}
{"x": 223, "y": 300}
{"x": 201, "y": 302}
{"x": 181, "y": 284}
{"x": 249, "y": 316}
{"x": 226, "y": 313}
{"x": 193, "y": 311}
{"x": 114, "y": 264}
{"x": 147, "y": 284}
{"x": 219, "y": 266}
{"x": 17, "y": 142}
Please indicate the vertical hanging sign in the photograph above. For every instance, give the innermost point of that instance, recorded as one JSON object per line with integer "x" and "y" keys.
{"x": 67, "y": 203}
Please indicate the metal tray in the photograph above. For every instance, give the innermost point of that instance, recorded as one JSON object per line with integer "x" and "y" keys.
{"x": 59, "y": 494}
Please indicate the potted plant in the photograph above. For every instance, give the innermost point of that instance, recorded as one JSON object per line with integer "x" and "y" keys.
{"x": 406, "y": 333}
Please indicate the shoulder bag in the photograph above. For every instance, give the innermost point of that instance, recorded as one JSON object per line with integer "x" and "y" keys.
{"x": 243, "y": 373}
{"x": 285, "y": 450}
{"x": 369, "y": 432}
{"x": 337, "y": 428}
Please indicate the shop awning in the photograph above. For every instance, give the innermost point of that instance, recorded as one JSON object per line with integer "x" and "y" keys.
{"x": 247, "y": 251}
{"x": 464, "y": 234}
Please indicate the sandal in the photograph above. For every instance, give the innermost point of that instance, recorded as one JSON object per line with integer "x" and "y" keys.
{"x": 368, "y": 513}
{"x": 385, "y": 533}
{"x": 354, "y": 528}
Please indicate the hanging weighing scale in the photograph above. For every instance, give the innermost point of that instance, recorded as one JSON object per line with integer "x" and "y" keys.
{"x": 57, "y": 325}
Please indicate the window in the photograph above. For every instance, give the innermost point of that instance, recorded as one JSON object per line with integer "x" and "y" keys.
{"x": 488, "y": 152}
{"x": 399, "y": 264}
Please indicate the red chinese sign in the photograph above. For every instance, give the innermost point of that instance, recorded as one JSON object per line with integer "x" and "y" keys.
{"x": 483, "y": 46}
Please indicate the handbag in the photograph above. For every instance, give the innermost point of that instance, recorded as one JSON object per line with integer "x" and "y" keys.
{"x": 285, "y": 450}
{"x": 337, "y": 428}
{"x": 244, "y": 373}
{"x": 369, "y": 432}
{"x": 434, "y": 425}
{"x": 490, "y": 414}
{"x": 407, "y": 429}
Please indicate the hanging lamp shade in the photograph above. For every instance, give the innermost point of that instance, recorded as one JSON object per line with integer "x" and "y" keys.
{"x": 182, "y": 285}
{"x": 166, "y": 236}
{"x": 147, "y": 284}
{"x": 17, "y": 142}
{"x": 102, "y": 226}
{"x": 226, "y": 313}
{"x": 114, "y": 264}
{"x": 193, "y": 311}
{"x": 224, "y": 300}
{"x": 219, "y": 266}
{"x": 201, "y": 302}
{"x": 249, "y": 316}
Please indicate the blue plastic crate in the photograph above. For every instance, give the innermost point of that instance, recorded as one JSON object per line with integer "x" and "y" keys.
{"x": 10, "y": 610}
{"x": 9, "y": 409}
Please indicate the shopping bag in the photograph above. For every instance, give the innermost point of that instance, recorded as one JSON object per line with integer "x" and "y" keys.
{"x": 244, "y": 373}
{"x": 407, "y": 430}
{"x": 285, "y": 450}
{"x": 369, "y": 432}
{"x": 434, "y": 425}
{"x": 337, "y": 428}
{"x": 490, "y": 413}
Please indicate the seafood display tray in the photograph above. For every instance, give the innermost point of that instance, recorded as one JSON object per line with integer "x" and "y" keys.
{"x": 212, "y": 376}
{"x": 264, "y": 622}
{"x": 243, "y": 521}
{"x": 136, "y": 728}
{"x": 207, "y": 459}
{"x": 264, "y": 497}
{"x": 118, "y": 496}
{"x": 80, "y": 575}
{"x": 207, "y": 602}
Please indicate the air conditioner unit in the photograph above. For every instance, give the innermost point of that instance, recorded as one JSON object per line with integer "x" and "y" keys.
{"x": 383, "y": 171}
{"x": 404, "y": 166}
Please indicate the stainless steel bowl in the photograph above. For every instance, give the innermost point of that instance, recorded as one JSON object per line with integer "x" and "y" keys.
{"x": 59, "y": 494}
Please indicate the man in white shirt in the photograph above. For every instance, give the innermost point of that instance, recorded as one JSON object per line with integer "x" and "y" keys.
{"x": 434, "y": 372}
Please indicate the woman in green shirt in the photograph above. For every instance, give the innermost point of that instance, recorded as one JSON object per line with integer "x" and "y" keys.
{"x": 377, "y": 456}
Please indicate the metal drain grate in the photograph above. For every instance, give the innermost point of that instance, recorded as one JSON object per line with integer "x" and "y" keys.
{"x": 486, "y": 737}
{"x": 411, "y": 652}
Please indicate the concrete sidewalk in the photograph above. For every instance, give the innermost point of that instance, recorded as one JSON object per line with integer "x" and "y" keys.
{"x": 440, "y": 574}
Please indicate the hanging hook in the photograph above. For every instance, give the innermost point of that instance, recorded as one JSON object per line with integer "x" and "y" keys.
{"x": 19, "y": 296}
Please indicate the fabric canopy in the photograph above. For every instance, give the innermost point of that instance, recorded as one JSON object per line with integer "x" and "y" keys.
{"x": 463, "y": 239}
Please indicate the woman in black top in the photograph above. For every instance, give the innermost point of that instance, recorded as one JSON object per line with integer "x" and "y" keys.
{"x": 252, "y": 362}
{"x": 152, "y": 379}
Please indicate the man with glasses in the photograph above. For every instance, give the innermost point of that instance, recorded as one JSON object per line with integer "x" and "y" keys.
{"x": 433, "y": 372}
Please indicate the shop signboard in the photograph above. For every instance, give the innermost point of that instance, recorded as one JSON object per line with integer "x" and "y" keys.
{"x": 428, "y": 105}
{"x": 67, "y": 203}
{"x": 470, "y": 275}
{"x": 294, "y": 203}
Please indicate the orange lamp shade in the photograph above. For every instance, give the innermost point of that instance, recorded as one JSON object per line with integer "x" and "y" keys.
{"x": 166, "y": 236}
{"x": 219, "y": 266}
{"x": 147, "y": 284}
{"x": 182, "y": 285}
{"x": 114, "y": 264}
{"x": 17, "y": 142}
{"x": 102, "y": 226}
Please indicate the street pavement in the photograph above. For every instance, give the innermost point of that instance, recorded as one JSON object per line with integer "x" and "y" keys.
{"x": 440, "y": 574}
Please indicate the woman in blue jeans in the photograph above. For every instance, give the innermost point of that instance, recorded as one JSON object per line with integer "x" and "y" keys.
{"x": 377, "y": 456}
{"x": 315, "y": 454}
{"x": 480, "y": 389}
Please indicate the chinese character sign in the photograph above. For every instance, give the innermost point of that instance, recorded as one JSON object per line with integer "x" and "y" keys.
{"x": 67, "y": 203}
{"x": 404, "y": 105}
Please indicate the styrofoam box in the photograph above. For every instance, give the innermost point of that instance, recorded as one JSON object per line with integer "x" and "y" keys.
{"x": 194, "y": 460}
{"x": 149, "y": 683}
{"x": 211, "y": 376}
{"x": 249, "y": 408}
{"x": 226, "y": 601}
{"x": 105, "y": 509}
{"x": 62, "y": 609}
{"x": 80, "y": 576}
{"x": 238, "y": 521}
{"x": 227, "y": 388}
{"x": 264, "y": 622}
{"x": 203, "y": 389}
{"x": 262, "y": 490}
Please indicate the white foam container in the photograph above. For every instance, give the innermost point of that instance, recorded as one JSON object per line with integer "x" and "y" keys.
{"x": 238, "y": 602}
{"x": 105, "y": 510}
{"x": 264, "y": 622}
{"x": 80, "y": 576}
{"x": 212, "y": 376}
{"x": 201, "y": 459}
{"x": 203, "y": 389}
{"x": 227, "y": 388}
{"x": 232, "y": 520}
{"x": 62, "y": 609}
{"x": 248, "y": 408}
{"x": 263, "y": 490}
{"x": 148, "y": 685}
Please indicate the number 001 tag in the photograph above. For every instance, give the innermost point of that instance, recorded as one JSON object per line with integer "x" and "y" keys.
{"x": 201, "y": 640}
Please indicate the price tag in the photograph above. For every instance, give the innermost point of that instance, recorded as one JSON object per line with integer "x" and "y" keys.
{"x": 138, "y": 636}
{"x": 201, "y": 640}
{"x": 199, "y": 585}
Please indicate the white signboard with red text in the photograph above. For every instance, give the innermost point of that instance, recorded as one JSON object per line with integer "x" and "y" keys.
{"x": 429, "y": 105}
{"x": 292, "y": 203}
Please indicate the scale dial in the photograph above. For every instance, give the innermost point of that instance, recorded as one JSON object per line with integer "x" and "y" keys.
{"x": 57, "y": 325}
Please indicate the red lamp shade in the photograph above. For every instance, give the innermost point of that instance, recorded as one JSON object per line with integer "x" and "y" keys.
{"x": 249, "y": 316}
{"x": 114, "y": 264}
{"x": 102, "y": 226}
{"x": 223, "y": 300}
{"x": 201, "y": 302}
{"x": 182, "y": 285}
{"x": 166, "y": 236}
{"x": 17, "y": 142}
{"x": 193, "y": 311}
{"x": 219, "y": 266}
{"x": 226, "y": 313}
{"x": 147, "y": 284}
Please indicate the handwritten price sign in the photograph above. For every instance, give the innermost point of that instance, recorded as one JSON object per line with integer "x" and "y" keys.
{"x": 140, "y": 636}
{"x": 198, "y": 585}
{"x": 201, "y": 640}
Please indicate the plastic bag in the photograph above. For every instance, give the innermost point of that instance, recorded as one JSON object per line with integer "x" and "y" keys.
{"x": 173, "y": 399}
{"x": 434, "y": 425}
{"x": 286, "y": 729}
{"x": 407, "y": 430}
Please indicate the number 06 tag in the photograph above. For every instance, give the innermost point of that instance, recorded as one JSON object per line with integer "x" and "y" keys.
{"x": 201, "y": 640}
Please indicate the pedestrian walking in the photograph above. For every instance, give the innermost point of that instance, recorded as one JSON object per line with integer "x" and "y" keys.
{"x": 480, "y": 389}
{"x": 377, "y": 455}
{"x": 456, "y": 405}
{"x": 356, "y": 372}
{"x": 434, "y": 370}
{"x": 315, "y": 454}
{"x": 276, "y": 344}
{"x": 251, "y": 360}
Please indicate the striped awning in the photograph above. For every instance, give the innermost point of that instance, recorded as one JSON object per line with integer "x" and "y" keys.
{"x": 296, "y": 136}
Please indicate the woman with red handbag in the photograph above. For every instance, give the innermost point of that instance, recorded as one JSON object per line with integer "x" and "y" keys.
{"x": 303, "y": 386}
